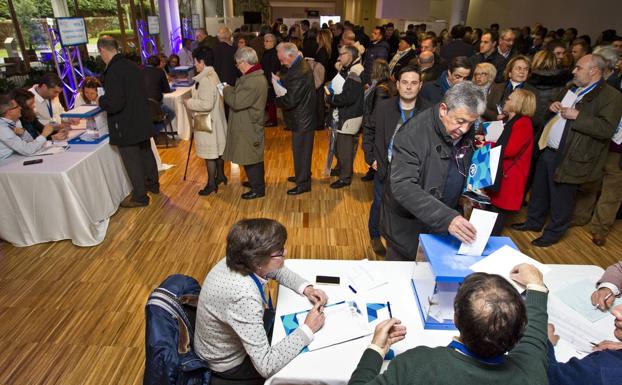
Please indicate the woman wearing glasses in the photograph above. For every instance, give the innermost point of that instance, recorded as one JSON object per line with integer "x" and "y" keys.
{"x": 233, "y": 327}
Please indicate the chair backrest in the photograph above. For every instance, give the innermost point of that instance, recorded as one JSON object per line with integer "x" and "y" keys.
{"x": 156, "y": 112}
{"x": 169, "y": 355}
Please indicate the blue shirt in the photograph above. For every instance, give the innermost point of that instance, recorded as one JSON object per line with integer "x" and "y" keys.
{"x": 11, "y": 143}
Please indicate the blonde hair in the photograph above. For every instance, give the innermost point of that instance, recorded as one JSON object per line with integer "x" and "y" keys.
{"x": 523, "y": 102}
{"x": 490, "y": 69}
{"x": 510, "y": 66}
{"x": 543, "y": 60}
{"x": 325, "y": 39}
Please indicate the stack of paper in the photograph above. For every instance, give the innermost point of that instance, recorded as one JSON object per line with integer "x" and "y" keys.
{"x": 363, "y": 277}
{"x": 484, "y": 222}
{"x": 279, "y": 90}
{"x": 502, "y": 262}
{"x": 337, "y": 84}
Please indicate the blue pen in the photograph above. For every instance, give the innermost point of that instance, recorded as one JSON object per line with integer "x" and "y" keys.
{"x": 351, "y": 288}
{"x": 389, "y": 307}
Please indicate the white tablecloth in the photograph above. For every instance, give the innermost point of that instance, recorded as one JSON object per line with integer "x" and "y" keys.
{"x": 174, "y": 100}
{"x": 69, "y": 196}
{"x": 335, "y": 364}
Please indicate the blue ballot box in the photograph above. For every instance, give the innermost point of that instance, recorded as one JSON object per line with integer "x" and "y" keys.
{"x": 182, "y": 76}
{"x": 435, "y": 284}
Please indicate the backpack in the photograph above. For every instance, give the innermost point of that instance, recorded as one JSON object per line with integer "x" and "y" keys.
{"x": 170, "y": 314}
{"x": 318, "y": 73}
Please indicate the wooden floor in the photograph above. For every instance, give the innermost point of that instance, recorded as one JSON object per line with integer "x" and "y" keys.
{"x": 71, "y": 315}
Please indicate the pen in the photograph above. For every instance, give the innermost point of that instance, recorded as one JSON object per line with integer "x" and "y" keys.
{"x": 389, "y": 307}
{"x": 351, "y": 288}
{"x": 593, "y": 343}
{"x": 605, "y": 300}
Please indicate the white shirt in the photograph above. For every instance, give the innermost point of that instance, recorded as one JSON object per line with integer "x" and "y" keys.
{"x": 10, "y": 142}
{"x": 42, "y": 108}
{"x": 185, "y": 57}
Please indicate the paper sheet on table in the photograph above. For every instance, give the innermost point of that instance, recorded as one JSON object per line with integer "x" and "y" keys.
{"x": 337, "y": 84}
{"x": 569, "y": 99}
{"x": 483, "y": 221}
{"x": 502, "y": 262}
{"x": 617, "y": 136}
{"x": 363, "y": 277}
{"x": 493, "y": 130}
{"x": 344, "y": 322}
{"x": 578, "y": 297}
{"x": 52, "y": 150}
{"x": 83, "y": 110}
{"x": 279, "y": 90}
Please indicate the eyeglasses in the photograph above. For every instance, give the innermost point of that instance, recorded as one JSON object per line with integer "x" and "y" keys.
{"x": 279, "y": 254}
{"x": 14, "y": 107}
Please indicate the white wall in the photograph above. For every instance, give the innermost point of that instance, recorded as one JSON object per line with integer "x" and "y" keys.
{"x": 589, "y": 17}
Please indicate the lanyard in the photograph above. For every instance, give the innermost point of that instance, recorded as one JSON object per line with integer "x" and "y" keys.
{"x": 462, "y": 349}
{"x": 49, "y": 106}
{"x": 410, "y": 115}
{"x": 584, "y": 91}
{"x": 261, "y": 291}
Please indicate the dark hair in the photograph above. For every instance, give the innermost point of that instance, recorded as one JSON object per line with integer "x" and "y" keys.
{"x": 21, "y": 97}
{"x": 305, "y": 23}
{"x": 587, "y": 39}
{"x": 153, "y": 60}
{"x": 5, "y": 104}
{"x": 584, "y": 45}
{"x": 50, "y": 80}
{"x": 407, "y": 68}
{"x": 204, "y": 54}
{"x": 381, "y": 29}
{"x": 107, "y": 42}
{"x": 251, "y": 242}
{"x": 458, "y": 31}
{"x": 494, "y": 26}
{"x": 460, "y": 62}
{"x": 494, "y": 35}
{"x": 433, "y": 39}
{"x": 490, "y": 314}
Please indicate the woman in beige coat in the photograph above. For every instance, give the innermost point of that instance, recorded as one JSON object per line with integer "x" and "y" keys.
{"x": 206, "y": 99}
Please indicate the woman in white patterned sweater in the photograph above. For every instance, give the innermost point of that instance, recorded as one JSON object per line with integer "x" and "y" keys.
{"x": 230, "y": 333}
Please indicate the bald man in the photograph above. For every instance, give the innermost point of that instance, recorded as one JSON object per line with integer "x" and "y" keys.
{"x": 426, "y": 62}
{"x": 223, "y": 57}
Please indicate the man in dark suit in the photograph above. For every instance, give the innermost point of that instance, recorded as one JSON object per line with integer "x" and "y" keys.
{"x": 430, "y": 44}
{"x": 456, "y": 47}
{"x": 405, "y": 53}
{"x": 488, "y": 53}
{"x": 459, "y": 71}
{"x": 378, "y": 132}
{"x": 224, "y": 64}
{"x": 129, "y": 121}
{"x": 157, "y": 85}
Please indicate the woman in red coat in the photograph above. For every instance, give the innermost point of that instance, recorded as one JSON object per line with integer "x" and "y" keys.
{"x": 517, "y": 144}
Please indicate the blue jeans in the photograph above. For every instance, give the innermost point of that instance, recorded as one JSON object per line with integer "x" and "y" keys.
{"x": 374, "y": 212}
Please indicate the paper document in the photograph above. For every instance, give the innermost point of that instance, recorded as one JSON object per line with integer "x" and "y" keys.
{"x": 483, "y": 221}
{"x": 337, "y": 84}
{"x": 578, "y": 297}
{"x": 569, "y": 99}
{"x": 344, "y": 322}
{"x": 279, "y": 90}
{"x": 363, "y": 278}
{"x": 51, "y": 150}
{"x": 493, "y": 130}
{"x": 617, "y": 136}
{"x": 495, "y": 160}
{"x": 502, "y": 262}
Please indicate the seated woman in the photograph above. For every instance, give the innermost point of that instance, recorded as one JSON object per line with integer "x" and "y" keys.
{"x": 26, "y": 100}
{"x": 516, "y": 73}
{"x": 88, "y": 93}
{"x": 230, "y": 331}
{"x": 517, "y": 145}
{"x": 173, "y": 61}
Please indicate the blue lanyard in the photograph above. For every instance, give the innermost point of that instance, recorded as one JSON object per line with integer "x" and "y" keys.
{"x": 462, "y": 349}
{"x": 49, "y": 105}
{"x": 585, "y": 91}
{"x": 261, "y": 291}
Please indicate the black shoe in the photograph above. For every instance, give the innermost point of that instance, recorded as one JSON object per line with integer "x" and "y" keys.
{"x": 287, "y": 128}
{"x": 542, "y": 242}
{"x": 339, "y": 184}
{"x": 253, "y": 195}
{"x": 369, "y": 176}
{"x": 221, "y": 180}
{"x": 291, "y": 179}
{"x": 246, "y": 184}
{"x": 334, "y": 172}
{"x": 154, "y": 189}
{"x": 298, "y": 190}
{"x": 524, "y": 227}
{"x": 208, "y": 190}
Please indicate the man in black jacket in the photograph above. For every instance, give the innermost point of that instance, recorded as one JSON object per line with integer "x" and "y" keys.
{"x": 456, "y": 47}
{"x": 348, "y": 113}
{"x": 378, "y": 131}
{"x": 488, "y": 53}
{"x": 157, "y": 85}
{"x": 129, "y": 121}
{"x": 459, "y": 70}
{"x": 298, "y": 106}
{"x": 427, "y": 169}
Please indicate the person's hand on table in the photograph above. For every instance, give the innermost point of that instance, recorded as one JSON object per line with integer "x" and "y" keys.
{"x": 607, "y": 345}
{"x": 47, "y": 130}
{"x": 553, "y": 338}
{"x": 462, "y": 229}
{"x": 315, "y": 318}
{"x": 60, "y": 135}
{"x": 315, "y": 296}
{"x": 526, "y": 274}
{"x": 387, "y": 333}
{"x": 603, "y": 298}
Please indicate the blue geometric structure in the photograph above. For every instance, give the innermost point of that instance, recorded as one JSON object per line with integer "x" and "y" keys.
{"x": 68, "y": 64}
{"x": 479, "y": 172}
{"x": 372, "y": 310}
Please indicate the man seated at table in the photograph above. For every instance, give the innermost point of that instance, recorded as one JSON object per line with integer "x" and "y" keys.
{"x": 491, "y": 317}
{"x": 602, "y": 367}
{"x": 157, "y": 85}
{"x": 13, "y": 138}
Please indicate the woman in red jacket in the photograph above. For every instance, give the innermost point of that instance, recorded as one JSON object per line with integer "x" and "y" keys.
{"x": 517, "y": 144}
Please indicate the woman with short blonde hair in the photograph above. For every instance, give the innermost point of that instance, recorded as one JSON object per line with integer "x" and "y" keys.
{"x": 484, "y": 75}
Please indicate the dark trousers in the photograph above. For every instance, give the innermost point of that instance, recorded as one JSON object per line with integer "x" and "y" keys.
{"x": 243, "y": 374}
{"x": 271, "y": 108}
{"x": 320, "y": 108}
{"x": 302, "y": 150}
{"x": 394, "y": 255}
{"x": 345, "y": 149}
{"x": 255, "y": 174}
{"x": 374, "y": 211}
{"x": 546, "y": 195}
{"x": 141, "y": 168}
